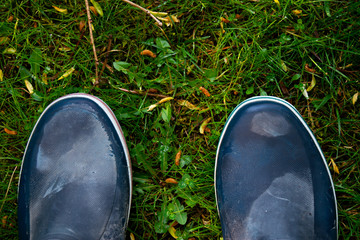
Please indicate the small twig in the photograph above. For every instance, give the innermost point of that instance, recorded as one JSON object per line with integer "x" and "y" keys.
{"x": 145, "y": 10}
{"x": 92, "y": 43}
{"x": 106, "y": 56}
{"x": 108, "y": 67}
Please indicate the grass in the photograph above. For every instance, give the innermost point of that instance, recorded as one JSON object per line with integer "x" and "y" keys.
{"x": 264, "y": 49}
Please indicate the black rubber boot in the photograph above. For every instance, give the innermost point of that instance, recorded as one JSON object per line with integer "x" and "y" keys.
{"x": 76, "y": 174}
{"x": 272, "y": 180}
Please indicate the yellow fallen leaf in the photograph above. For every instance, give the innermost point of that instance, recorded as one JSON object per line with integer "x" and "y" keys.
{"x": 297, "y": 12}
{"x": 169, "y": 20}
{"x": 44, "y": 78}
{"x": 204, "y": 124}
{"x": 61, "y": 10}
{"x": 65, "y": 49}
{"x": 277, "y": 2}
{"x": 1, "y": 75}
{"x": 187, "y": 104}
{"x": 222, "y": 27}
{"x": 283, "y": 66}
{"x": 132, "y": 237}
{"x": 165, "y": 100}
{"x": 93, "y": 80}
{"x": 9, "y": 51}
{"x": 355, "y": 98}
{"x": 159, "y": 14}
{"x": 336, "y": 169}
{"x": 313, "y": 83}
{"x": 67, "y": 73}
{"x": 151, "y": 107}
{"x": 97, "y": 7}
{"x": 172, "y": 232}
{"x": 29, "y": 87}
{"x": 189, "y": 69}
{"x": 10, "y": 132}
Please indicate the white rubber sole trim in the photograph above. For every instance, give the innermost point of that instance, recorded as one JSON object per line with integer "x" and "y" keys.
{"x": 298, "y": 115}
{"x": 113, "y": 120}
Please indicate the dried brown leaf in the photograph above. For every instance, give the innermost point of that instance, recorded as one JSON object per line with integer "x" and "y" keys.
{"x": 308, "y": 69}
{"x": 153, "y": 90}
{"x": 82, "y": 25}
{"x": 3, "y": 221}
{"x": 61, "y": 10}
{"x": 4, "y": 40}
{"x": 177, "y": 158}
{"x": 148, "y": 53}
{"x": 206, "y": 92}
{"x": 224, "y": 20}
{"x": 171, "y": 180}
{"x": 284, "y": 89}
{"x": 93, "y": 9}
{"x": 187, "y": 104}
{"x": 206, "y": 222}
{"x": 10, "y": 132}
